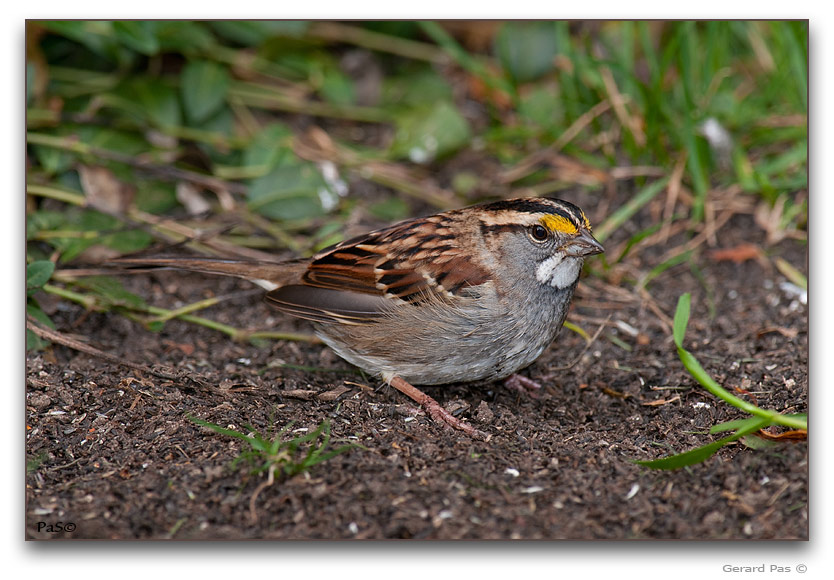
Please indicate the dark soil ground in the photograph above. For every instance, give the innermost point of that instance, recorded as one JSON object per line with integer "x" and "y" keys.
{"x": 112, "y": 451}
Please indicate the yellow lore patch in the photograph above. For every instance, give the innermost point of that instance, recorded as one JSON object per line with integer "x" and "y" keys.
{"x": 557, "y": 223}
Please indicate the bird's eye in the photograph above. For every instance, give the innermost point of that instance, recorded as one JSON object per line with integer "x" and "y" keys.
{"x": 538, "y": 233}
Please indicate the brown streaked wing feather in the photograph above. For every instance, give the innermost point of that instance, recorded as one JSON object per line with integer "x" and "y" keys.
{"x": 410, "y": 260}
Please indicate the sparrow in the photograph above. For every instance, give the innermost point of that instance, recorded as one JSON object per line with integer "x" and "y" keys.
{"x": 470, "y": 294}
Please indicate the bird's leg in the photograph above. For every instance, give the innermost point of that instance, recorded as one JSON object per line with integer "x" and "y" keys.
{"x": 523, "y": 385}
{"x": 433, "y": 408}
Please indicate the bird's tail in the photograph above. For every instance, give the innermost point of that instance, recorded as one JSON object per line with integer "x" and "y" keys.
{"x": 268, "y": 275}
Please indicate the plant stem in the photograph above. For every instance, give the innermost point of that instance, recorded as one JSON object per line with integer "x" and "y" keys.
{"x": 697, "y": 371}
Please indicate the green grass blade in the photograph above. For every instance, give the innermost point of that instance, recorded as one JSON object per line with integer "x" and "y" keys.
{"x": 702, "y": 453}
{"x": 218, "y": 428}
{"x": 731, "y": 425}
{"x": 627, "y": 210}
{"x": 699, "y": 374}
{"x": 681, "y": 319}
{"x": 660, "y": 268}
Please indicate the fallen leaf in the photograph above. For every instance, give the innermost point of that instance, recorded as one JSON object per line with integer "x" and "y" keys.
{"x": 191, "y": 198}
{"x": 303, "y": 394}
{"x": 103, "y": 191}
{"x": 738, "y": 254}
{"x": 616, "y": 394}
{"x": 792, "y": 435}
{"x": 564, "y": 168}
{"x": 482, "y": 92}
{"x": 183, "y": 347}
{"x": 660, "y": 402}
{"x": 786, "y": 332}
{"x": 333, "y": 394}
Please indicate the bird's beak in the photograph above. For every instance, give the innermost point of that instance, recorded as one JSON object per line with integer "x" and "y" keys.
{"x": 584, "y": 245}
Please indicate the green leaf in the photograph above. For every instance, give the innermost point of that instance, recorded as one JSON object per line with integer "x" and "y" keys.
{"x": 758, "y": 443}
{"x": 161, "y": 104}
{"x": 699, "y": 374}
{"x": 415, "y": 87}
{"x": 152, "y": 99}
{"x": 732, "y": 425}
{"x": 111, "y": 291}
{"x": 33, "y": 341}
{"x": 681, "y": 319}
{"x": 271, "y": 146}
{"x": 127, "y": 241}
{"x": 337, "y": 87}
{"x": 156, "y": 325}
{"x": 139, "y": 35}
{"x": 156, "y": 197}
{"x": 390, "y": 210}
{"x": 526, "y": 49}
{"x": 53, "y": 161}
{"x": 33, "y": 310}
{"x": 126, "y": 142}
{"x": 427, "y": 134}
{"x": 330, "y": 233}
{"x": 104, "y": 229}
{"x": 185, "y": 37}
{"x": 292, "y": 191}
{"x": 542, "y": 108}
{"x": 204, "y": 88}
{"x": 44, "y": 220}
{"x": 95, "y": 35}
{"x": 690, "y": 457}
{"x": 38, "y": 274}
{"x": 702, "y": 453}
{"x": 253, "y": 33}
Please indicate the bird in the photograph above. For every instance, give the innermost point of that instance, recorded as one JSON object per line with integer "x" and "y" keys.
{"x": 464, "y": 295}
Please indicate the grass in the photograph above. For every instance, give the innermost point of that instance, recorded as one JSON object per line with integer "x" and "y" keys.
{"x": 281, "y": 456}
{"x": 759, "y": 418}
{"x": 286, "y": 456}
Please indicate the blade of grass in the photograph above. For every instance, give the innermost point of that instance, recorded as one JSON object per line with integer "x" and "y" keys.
{"x": 702, "y": 453}
{"x": 699, "y": 374}
{"x": 627, "y": 210}
{"x": 662, "y": 267}
{"x": 466, "y": 61}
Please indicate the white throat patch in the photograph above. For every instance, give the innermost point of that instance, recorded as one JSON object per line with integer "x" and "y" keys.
{"x": 559, "y": 271}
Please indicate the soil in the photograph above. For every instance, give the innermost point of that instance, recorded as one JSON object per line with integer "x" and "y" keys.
{"x": 112, "y": 452}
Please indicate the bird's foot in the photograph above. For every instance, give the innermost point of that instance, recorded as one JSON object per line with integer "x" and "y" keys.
{"x": 433, "y": 409}
{"x": 523, "y": 385}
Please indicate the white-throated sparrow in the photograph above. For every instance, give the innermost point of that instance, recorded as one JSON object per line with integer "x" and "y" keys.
{"x": 464, "y": 295}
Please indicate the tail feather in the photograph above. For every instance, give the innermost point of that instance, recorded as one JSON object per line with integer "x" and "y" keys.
{"x": 268, "y": 275}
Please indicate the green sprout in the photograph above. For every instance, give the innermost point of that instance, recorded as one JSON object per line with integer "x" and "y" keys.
{"x": 760, "y": 418}
{"x": 288, "y": 457}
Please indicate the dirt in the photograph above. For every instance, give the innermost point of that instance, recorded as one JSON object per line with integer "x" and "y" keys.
{"x": 113, "y": 454}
